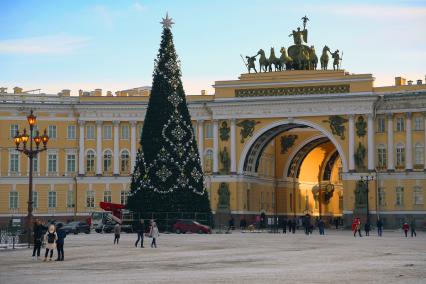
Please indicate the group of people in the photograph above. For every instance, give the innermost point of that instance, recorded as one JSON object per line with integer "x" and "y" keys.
{"x": 53, "y": 239}
{"x": 141, "y": 232}
{"x": 356, "y": 227}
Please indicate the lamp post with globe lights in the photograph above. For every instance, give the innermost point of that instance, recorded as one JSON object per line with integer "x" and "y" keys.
{"x": 21, "y": 141}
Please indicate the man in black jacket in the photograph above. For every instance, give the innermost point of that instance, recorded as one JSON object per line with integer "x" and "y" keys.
{"x": 140, "y": 230}
{"x": 60, "y": 242}
{"x": 38, "y": 236}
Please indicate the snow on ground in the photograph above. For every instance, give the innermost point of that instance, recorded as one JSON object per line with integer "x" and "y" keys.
{"x": 227, "y": 258}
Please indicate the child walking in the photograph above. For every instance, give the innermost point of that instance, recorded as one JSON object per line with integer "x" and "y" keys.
{"x": 154, "y": 234}
{"x": 50, "y": 238}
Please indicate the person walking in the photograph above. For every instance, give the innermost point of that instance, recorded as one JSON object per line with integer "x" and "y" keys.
{"x": 38, "y": 238}
{"x": 307, "y": 224}
{"x": 367, "y": 228}
{"x": 293, "y": 225}
{"x": 321, "y": 227}
{"x": 289, "y": 225}
{"x": 117, "y": 231}
{"x": 140, "y": 230}
{"x": 405, "y": 227}
{"x": 379, "y": 226}
{"x": 413, "y": 228}
{"x": 50, "y": 239}
{"x": 60, "y": 242}
{"x": 154, "y": 233}
{"x": 284, "y": 224}
{"x": 356, "y": 226}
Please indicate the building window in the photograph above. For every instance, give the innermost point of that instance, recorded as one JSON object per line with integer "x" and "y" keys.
{"x": 108, "y": 196}
{"x": 140, "y": 128}
{"x": 418, "y": 196}
{"x": 70, "y": 163}
{"x": 123, "y": 197}
{"x": 52, "y": 163}
{"x": 208, "y": 167}
{"x": 381, "y": 156}
{"x": 90, "y": 132}
{"x": 381, "y": 124}
{"x": 125, "y": 157}
{"x": 382, "y": 196}
{"x": 107, "y": 161}
{"x": 51, "y": 199}
{"x": 70, "y": 198}
{"x": 399, "y": 124}
{"x": 418, "y": 154}
{"x": 124, "y": 132}
{"x": 209, "y": 130}
{"x": 418, "y": 123}
{"x": 90, "y": 161}
{"x": 399, "y": 198}
{"x": 90, "y": 199}
{"x": 35, "y": 164}
{"x": 13, "y": 200}
{"x": 400, "y": 155}
{"x": 107, "y": 132}
{"x": 14, "y": 162}
{"x": 35, "y": 199}
{"x": 71, "y": 131}
{"x": 51, "y": 131}
{"x": 13, "y": 129}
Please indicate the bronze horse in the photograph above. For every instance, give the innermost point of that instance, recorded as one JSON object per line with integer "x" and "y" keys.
{"x": 324, "y": 58}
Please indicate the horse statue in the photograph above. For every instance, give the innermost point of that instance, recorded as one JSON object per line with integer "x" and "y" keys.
{"x": 285, "y": 60}
{"x": 324, "y": 58}
{"x": 314, "y": 58}
{"x": 263, "y": 61}
{"x": 275, "y": 61}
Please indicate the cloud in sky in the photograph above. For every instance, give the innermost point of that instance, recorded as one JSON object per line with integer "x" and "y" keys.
{"x": 53, "y": 44}
{"x": 139, "y": 7}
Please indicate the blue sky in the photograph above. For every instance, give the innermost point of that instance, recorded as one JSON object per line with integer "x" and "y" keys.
{"x": 55, "y": 45}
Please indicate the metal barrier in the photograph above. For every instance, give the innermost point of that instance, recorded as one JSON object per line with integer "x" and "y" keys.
{"x": 11, "y": 238}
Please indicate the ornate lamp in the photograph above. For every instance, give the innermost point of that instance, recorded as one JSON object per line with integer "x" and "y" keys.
{"x": 24, "y": 137}
{"x": 17, "y": 139}
{"x": 37, "y": 139}
{"x": 31, "y": 119}
{"x": 44, "y": 138}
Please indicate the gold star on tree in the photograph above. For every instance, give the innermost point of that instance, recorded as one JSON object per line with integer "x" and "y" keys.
{"x": 167, "y": 22}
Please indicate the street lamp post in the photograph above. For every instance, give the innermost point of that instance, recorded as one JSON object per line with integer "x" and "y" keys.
{"x": 21, "y": 141}
{"x": 365, "y": 180}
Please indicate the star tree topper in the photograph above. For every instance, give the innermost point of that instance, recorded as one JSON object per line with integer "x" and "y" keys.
{"x": 167, "y": 22}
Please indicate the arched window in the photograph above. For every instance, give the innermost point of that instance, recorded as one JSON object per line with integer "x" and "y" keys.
{"x": 107, "y": 161}
{"x": 124, "y": 161}
{"x": 208, "y": 161}
{"x": 419, "y": 154}
{"x": 381, "y": 156}
{"x": 90, "y": 161}
{"x": 400, "y": 155}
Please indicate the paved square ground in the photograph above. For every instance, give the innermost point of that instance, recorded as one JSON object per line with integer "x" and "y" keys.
{"x": 233, "y": 258}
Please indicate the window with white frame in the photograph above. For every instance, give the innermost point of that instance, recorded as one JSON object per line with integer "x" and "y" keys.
{"x": 107, "y": 161}
{"x": 209, "y": 130}
{"x": 418, "y": 195}
{"x": 125, "y": 161}
{"x": 400, "y": 155}
{"x": 418, "y": 154}
{"x": 208, "y": 161}
{"x": 123, "y": 197}
{"x": 90, "y": 132}
{"x": 382, "y": 196}
{"x": 90, "y": 199}
{"x": 107, "y": 132}
{"x": 381, "y": 156}
{"x": 400, "y": 124}
{"x": 71, "y": 132}
{"x": 13, "y": 200}
{"x": 107, "y": 196}
{"x": 51, "y": 131}
{"x": 70, "y": 198}
{"x": 381, "y": 124}
{"x": 12, "y": 130}
{"x": 418, "y": 123}
{"x": 52, "y": 160}
{"x": 51, "y": 199}
{"x": 35, "y": 199}
{"x": 90, "y": 161}
{"x": 71, "y": 163}
{"x": 14, "y": 161}
{"x": 124, "y": 133}
{"x": 35, "y": 164}
{"x": 399, "y": 197}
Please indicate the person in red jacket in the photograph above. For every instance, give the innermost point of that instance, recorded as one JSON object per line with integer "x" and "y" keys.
{"x": 405, "y": 227}
{"x": 356, "y": 226}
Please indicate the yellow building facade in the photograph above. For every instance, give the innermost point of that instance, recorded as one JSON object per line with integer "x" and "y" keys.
{"x": 284, "y": 143}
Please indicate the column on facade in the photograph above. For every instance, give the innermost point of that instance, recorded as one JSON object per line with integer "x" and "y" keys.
{"x": 116, "y": 124}
{"x": 409, "y": 144}
{"x": 215, "y": 147}
{"x": 200, "y": 127}
{"x": 81, "y": 149}
{"x": 132, "y": 145}
{"x": 233, "y": 147}
{"x": 351, "y": 143}
{"x": 391, "y": 164}
{"x": 370, "y": 143}
{"x": 99, "y": 148}
{"x": 424, "y": 144}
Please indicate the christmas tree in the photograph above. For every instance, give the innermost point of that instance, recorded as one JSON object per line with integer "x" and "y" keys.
{"x": 168, "y": 176}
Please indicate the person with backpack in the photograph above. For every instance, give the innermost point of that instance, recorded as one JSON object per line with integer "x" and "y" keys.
{"x": 60, "y": 242}
{"x": 50, "y": 239}
{"x": 117, "y": 231}
{"x": 140, "y": 230}
{"x": 154, "y": 234}
{"x": 38, "y": 238}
